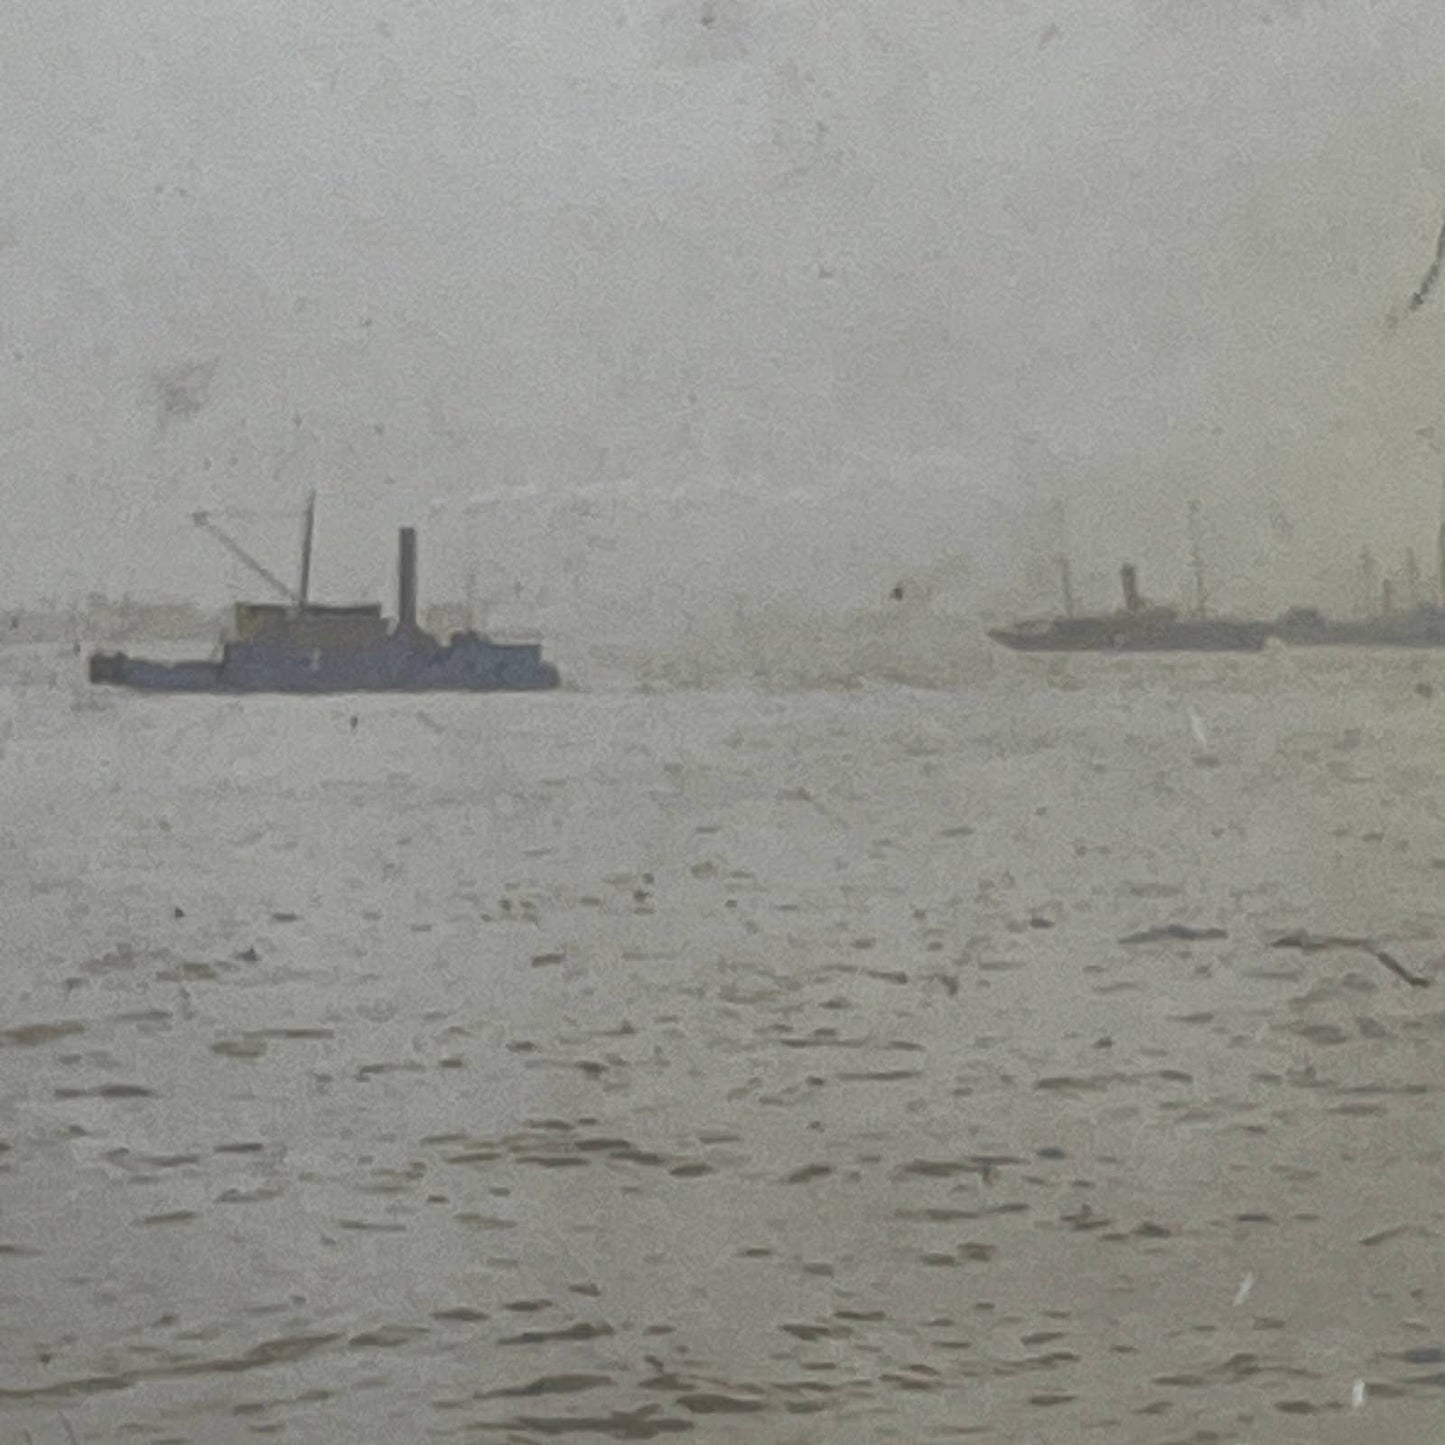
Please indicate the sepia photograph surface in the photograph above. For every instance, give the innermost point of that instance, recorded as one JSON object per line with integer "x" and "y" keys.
{"x": 722, "y": 720}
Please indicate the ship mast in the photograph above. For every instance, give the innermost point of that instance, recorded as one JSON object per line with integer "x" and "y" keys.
{"x": 1440, "y": 551}
{"x": 1369, "y": 577}
{"x": 1196, "y": 555}
{"x": 307, "y": 531}
{"x": 1066, "y": 575}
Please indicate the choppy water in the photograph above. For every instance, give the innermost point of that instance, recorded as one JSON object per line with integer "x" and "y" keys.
{"x": 726, "y": 1064}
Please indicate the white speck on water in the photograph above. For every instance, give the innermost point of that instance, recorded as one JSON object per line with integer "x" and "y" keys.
{"x": 1196, "y": 726}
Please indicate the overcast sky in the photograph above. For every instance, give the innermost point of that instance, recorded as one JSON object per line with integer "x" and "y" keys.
{"x": 784, "y": 295}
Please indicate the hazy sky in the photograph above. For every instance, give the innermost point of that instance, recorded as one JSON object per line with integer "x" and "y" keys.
{"x": 785, "y": 295}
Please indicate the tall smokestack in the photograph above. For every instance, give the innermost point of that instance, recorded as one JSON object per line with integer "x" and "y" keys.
{"x": 1129, "y": 577}
{"x": 406, "y": 580}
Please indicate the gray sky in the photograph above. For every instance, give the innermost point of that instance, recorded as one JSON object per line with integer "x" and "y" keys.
{"x": 788, "y": 296}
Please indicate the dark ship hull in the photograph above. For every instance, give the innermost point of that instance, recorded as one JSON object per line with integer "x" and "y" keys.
{"x": 1129, "y": 633}
{"x": 1423, "y": 627}
{"x": 306, "y": 648}
{"x": 467, "y": 664}
{"x": 1139, "y": 627}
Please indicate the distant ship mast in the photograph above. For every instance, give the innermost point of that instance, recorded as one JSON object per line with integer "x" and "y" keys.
{"x": 1066, "y": 575}
{"x": 1369, "y": 581}
{"x": 1196, "y": 556}
{"x": 307, "y": 532}
{"x": 1440, "y": 552}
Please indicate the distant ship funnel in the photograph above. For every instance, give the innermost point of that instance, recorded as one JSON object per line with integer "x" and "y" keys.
{"x": 406, "y": 581}
{"x": 1129, "y": 578}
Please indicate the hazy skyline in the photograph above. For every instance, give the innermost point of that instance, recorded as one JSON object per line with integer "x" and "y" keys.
{"x": 920, "y": 269}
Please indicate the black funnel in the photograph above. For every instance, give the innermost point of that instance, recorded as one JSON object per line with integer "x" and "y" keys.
{"x": 406, "y": 580}
{"x": 1129, "y": 576}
